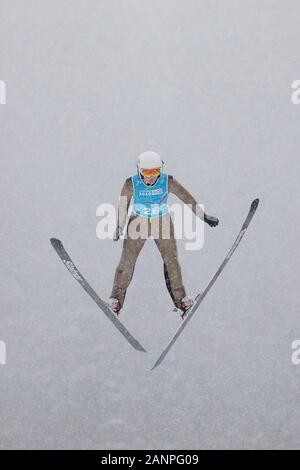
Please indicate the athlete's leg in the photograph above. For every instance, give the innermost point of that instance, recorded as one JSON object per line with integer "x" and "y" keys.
{"x": 125, "y": 268}
{"x": 168, "y": 250}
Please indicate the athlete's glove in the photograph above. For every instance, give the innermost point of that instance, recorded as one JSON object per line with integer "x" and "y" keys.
{"x": 118, "y": 234}
{"x": 210, "y": 220}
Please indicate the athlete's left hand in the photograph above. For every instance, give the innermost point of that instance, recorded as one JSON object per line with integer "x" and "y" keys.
{"x": 210, "y": 220}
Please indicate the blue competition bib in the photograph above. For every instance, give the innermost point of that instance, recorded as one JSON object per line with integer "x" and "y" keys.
{"x": 150, "y": 201}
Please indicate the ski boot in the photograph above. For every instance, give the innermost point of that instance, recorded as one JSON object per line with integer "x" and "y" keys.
{"x": 114, "y": 305}
{"x": 185, "y": 305}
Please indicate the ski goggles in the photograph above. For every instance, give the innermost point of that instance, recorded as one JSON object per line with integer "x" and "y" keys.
{"x": 149, "y": 172}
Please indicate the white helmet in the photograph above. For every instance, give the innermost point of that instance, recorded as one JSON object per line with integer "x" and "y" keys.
{"x": 149, "y": 160}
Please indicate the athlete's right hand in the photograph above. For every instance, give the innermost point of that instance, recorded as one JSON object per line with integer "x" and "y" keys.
{"x": 118, "y": 234}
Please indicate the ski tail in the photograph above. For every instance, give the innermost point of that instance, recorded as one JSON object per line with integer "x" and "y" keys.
{"x": 65, "y": 258}
{"x": 200, "y": 297}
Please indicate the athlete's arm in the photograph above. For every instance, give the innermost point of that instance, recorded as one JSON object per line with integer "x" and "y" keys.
{"x": 123, "y": 206}
{"x": 176, "y": 188}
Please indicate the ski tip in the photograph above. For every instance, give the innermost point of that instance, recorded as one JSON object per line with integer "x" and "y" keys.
{"x": 55, "y": 242}
{"x": 157, "y": 363}
{"x": 255, "y": 203}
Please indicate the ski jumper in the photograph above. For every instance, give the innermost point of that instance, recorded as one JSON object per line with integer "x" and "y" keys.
{"x": 151, "y": 216}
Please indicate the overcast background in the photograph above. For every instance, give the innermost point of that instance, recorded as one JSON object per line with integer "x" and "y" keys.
{"x": 90, "y": 85}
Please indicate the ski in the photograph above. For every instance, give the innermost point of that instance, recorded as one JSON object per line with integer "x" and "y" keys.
{"x": 60, "y": 250}
{"x": 201, "y": 296}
